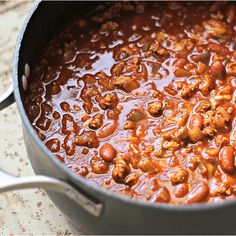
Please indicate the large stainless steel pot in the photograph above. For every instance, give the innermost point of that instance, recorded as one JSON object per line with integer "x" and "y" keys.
{"x": 96, "y": 210}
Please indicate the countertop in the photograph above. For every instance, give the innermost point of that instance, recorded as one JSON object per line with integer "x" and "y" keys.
{"x": 29, "y": 211}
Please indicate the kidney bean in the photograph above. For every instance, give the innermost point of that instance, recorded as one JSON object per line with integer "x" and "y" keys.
{"x": 43, "y": 123}
{"x": 108, "y": 129}
{"x": 53, "y": 145}
{"x": 181, "y": 62}
{"x": 85, "y": 151}
{"x": 217, "y": 48}
{"x": 196, "y": 120}
{"x": 55, "y": 89}
{"x": 65, "y": 106}
{"x": 60, "y": 158}
{"x": 88, "y": 106}
{"x": 181, "y": 190}
{"x": 82, "y": 170}
{"x": 162, "y": 195}
{"x": 69, "y": 145}
{"x": 193, "y": 163}
{"x": 227, "y": 157}
{"x": 108, "y": 152}
{"x": 198, "y": 193}
{"x": 56, "y": 115}
{"x": 217, "y": 70}
{"x": 179, "y": 72}
{"x": 68, "y": 124}
{"x": 46, "y": 108}
{"x": 146, "y": 165}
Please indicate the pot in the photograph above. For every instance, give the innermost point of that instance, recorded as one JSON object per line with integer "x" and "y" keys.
{"x": 95, "y": 209}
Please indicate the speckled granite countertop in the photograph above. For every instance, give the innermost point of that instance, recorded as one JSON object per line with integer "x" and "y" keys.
{"x": 31, "y": 211}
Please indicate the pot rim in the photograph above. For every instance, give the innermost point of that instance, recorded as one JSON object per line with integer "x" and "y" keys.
{"x": 77, "y": 178}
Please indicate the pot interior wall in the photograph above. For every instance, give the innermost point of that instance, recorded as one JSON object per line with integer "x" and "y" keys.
{"x": 48, "y": 20}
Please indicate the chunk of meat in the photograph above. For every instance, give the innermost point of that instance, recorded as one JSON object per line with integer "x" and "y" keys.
{"x": 126, "y": 83}
{"x": 96, "y": 122}
{"x": 216, "y": 28}
{"x": 179, "y": 176}
{"x": 108, "y": 101}
{"x": 121, "y": 170}
{"x": 88, "y": 139}
{"x": 99, "y": 166}
{"x": 136, "y": 115}
{"x": 171, "y": 145}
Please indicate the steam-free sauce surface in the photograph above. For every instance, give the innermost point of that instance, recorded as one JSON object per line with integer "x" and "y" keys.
{"x": 139, "y": 99}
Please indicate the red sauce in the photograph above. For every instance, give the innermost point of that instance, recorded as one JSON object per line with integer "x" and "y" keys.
{"x": 139, "y": 99}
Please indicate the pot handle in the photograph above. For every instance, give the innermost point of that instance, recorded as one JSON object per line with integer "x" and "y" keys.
{"x": 9, "y": 183}
{"x": 7, "y": 98}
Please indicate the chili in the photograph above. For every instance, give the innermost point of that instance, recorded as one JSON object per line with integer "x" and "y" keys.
{"x": 139, "y": 98}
